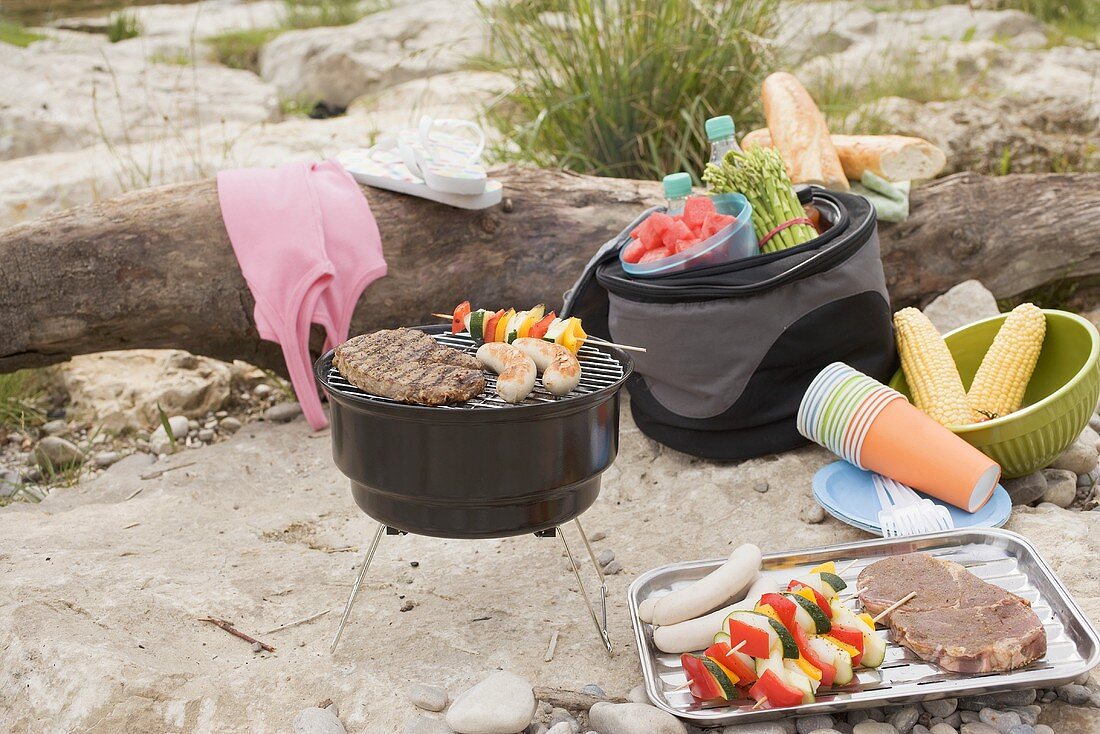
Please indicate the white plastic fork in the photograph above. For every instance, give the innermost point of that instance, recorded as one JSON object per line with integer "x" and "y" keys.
{"x": 904, "y": 512}
{"x": 932, "y": 517}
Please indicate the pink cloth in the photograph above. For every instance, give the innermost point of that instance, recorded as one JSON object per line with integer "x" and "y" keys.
{"x": 308, "y": 246}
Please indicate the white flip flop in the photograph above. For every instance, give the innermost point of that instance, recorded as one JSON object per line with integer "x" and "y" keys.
{"x": 433, "y": 162}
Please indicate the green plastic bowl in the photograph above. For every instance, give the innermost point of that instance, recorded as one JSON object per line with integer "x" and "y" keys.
{"x": 1059, "y": 400}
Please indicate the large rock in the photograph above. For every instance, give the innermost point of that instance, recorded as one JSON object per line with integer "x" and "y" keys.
{"x": 1081, "y": 457}
{"x": 408, "y": 41}
{"x": 964, "y": 304}
{"x": 56, "y": 97}
{"x": 633, "y": 718}
{"x": 459, "y": 94}
{"x": 252, "y": 532}
{"x": 121, "y": 390}
{"x": 503, "y": 703}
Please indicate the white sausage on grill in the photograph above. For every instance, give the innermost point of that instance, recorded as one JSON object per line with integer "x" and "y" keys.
{"x": 515, "y": 370}
{"x": 561, "y": 372}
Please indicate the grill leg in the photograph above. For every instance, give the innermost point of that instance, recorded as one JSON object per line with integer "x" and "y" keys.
{"x": 601, "y": 629}
{"x": 355, "y": 588}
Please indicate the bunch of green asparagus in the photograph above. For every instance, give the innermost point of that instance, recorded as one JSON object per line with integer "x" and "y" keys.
{"x": 759, "y": 175}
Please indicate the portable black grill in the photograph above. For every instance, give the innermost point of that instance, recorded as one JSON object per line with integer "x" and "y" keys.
{"x": 480, "y": 469}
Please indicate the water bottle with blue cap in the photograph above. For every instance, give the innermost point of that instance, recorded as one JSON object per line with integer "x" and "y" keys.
{"x": 677, "y": 190}
{"x": 720, "y": 132}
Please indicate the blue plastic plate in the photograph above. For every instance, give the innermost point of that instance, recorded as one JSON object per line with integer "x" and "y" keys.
{"x": 848, "y": 494}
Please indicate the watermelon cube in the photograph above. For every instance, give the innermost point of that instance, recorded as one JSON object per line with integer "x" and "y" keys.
{"x": 686, "y": 244}
{"x": 676, "y": 231}
{"x": 653, "y": 255}
{"x": 696, "y": 210}
{"x": 633, "y": 252}
{"x": 716, "y": 222}
{"x": 652, "y": 230}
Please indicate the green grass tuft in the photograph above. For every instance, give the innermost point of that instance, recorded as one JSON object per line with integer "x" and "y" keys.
{"x": 241, "y": 49}
{"x": 850, "y": 102}
{"x": 179, "y": 58}
{"x": 1078, "y": 18}
{"x": 314, "y": 13}
{"x": 623, "y": 88}
{"x": 21, "y": 396}
{"x": 124, "y": 24}
{"x": 16, "y": 35}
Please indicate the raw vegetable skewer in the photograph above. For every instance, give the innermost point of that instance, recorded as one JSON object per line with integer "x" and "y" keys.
{"x": 572, "y": 336}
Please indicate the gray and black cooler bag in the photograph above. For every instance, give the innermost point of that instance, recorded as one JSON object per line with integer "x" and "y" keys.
{"x": 732, "y": 348}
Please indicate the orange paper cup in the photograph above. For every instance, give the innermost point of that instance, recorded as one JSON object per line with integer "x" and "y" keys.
{"x": 906, "y": 445}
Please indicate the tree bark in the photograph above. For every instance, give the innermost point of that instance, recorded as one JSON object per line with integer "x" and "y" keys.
{"x": 154, "y": 268}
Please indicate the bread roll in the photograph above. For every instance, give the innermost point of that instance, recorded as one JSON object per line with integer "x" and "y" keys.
{"x": 894, "y": 157}
{"x": 799, "y": 131}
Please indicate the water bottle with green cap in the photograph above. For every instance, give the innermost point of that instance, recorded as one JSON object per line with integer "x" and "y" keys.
{"x": 720, "y": 132}
{"x": 677, "y": 190}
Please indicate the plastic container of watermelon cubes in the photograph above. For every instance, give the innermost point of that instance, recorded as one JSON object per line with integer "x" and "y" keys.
{"x": 735, "y": 241}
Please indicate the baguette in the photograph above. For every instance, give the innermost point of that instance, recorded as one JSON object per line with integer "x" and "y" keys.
{"x": 799, "y": 131}
{"x": 893, "y": 157}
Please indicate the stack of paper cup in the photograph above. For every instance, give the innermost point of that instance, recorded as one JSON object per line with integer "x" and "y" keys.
{"x": 868, "y": 424}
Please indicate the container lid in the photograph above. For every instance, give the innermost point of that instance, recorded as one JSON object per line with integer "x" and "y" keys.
{"x": 719, "y": 127}
{"x": 677, "y": 185}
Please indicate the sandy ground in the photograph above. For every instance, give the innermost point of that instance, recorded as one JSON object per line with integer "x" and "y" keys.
{"x": 101, "y": 590}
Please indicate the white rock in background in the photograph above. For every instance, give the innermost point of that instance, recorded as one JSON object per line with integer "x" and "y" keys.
{"x": 458, "y": 94}
{"x": 408, "y": 41}
{"x": 633, "y": 718}
{"x": 503, "y": 703}
{"x": 964, "y": 304}
{"x": 56, "y": 97}
{"x": 121, "y": 390}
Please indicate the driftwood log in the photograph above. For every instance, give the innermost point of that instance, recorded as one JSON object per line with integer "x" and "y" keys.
{"x": 154, "y": 268}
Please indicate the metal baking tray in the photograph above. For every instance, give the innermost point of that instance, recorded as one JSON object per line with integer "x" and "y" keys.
{"x": 997, "y": 556}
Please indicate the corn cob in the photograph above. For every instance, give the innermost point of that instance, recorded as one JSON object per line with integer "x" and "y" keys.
{"x": 930, "y": 369}
{"x": 1000, "y": 382}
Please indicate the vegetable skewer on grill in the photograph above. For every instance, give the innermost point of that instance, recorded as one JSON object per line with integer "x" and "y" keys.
{"x": 507, "y": 326}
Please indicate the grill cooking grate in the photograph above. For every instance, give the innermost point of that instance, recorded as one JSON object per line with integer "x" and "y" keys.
{"x": 599, "y": 369}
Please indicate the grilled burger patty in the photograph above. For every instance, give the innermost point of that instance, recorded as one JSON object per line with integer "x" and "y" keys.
{"x": 956, "y": 620}
{"x": 410, "y": 366}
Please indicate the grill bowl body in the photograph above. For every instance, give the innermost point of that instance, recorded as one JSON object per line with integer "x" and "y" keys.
{"x": 474, "y": 473}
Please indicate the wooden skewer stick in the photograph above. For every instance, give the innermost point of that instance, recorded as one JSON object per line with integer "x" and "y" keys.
{"x": 591, "y": 338}
{"x": 894, "y": 606}
{"x": 843, "y": 570}
{"x": 759, "y": 703}
{"x": 236, "y": 632}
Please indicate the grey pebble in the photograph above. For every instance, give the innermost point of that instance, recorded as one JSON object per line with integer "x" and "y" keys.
{"x": 812, "y": 514}
{"x": 808, "y": 724}
{"x": 1074, "y": 694}
{"x": 919, "y": 729}
{"x": 594, "y": 690}
{"x": 229, "y": 424}
{"x": 55, "y": 427}
{"x": 763, "y": 727}
{"x": 824, "y": 731}
{"x": 977, "y": 727}
{"x": 598, "y": 535}
{"x": 1028, "y": 714}
{"x": 317, "y": 721}
{"x": 429, "y": 698}
{"x": 761, "y": 487}
{"x": 1049, "y": 696}
{"x": 941, "y": 708}
{"x": 105, "y": 459}
{"x": 1094, "y": 700}
{"x": 283, "y": 412}
{"x": 563, "y": 727}
{"x": 206, "y": 435}
{"x": 954, "y": 720}
{"x": 905, "y": 718}
{"x": 605, "y": 557}
{"x": 873, "y": 727}
{"x": 261, "y": 390}
{"x": 536, "y": 727}
{"x": 968, "y": 717}
{"x": 942, "y": 728}
{"x": 562, "y": 716}
{"x": 1002, "y": 721}
{"x": 613, "y": 568}
{"x": 1024, "y": 697}
{"x": 1043, "y": 729}
{"x": 637, "y": 694}
{"x": 257, "y": 647}
{"x": 1022, "y": 729}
